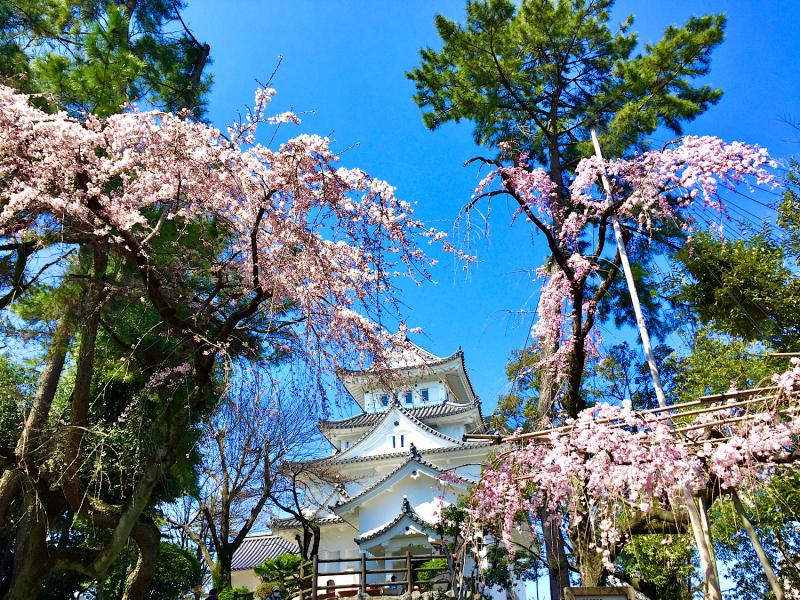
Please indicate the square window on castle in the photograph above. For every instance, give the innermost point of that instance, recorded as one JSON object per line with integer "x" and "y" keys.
{"x": 425, "y": 394}
{"x": 409, "y": 398}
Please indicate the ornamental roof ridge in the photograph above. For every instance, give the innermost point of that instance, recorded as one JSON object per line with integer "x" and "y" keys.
{"x": 405, "y": 512}
{"x": 427, "y": 428}
{"x": 395, "y": 406}
{"x": 414, "y": 456}
{"x": 376, "y": 457}
{"x": 435, "y": 361}
{"x": 367, "y": 419}
{"x": 291, "y": 522}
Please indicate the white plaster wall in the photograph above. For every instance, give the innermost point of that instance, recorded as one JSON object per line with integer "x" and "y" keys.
{"x": 437, "y": 393}
{"x": 423, "y": 496}
{"x": 380, "y": 440}
{"x": 248, "y": 579}
{"x": 455, "y": 431}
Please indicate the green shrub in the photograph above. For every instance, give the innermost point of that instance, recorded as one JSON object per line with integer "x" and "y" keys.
{"x": 438, "y": 566}
{"x": 283, "y": 571}
{"x": 227, "y": 594}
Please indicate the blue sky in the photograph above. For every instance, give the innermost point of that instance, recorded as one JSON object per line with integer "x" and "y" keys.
{"x": 345, "y": 62}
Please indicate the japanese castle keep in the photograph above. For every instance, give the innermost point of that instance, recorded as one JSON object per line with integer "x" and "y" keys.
{"x": 401, "y": 459}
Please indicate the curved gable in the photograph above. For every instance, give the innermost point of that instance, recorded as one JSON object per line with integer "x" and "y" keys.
{"x": 395, "y": 432}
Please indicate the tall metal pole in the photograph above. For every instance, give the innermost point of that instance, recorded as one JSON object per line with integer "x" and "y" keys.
{"x": 626, "y": 267}
{"x": 707, "y": 562}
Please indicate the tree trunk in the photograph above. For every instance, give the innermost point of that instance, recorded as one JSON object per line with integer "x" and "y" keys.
{"x": 9, "y": 491}
{"x": 31, "y": 559}
{"x": 221, "y": 571}
{"x": 774, "y": 583}
{"x": 590, "y": 564}
{"x": 148, "y": 540}
{"x": 37, "y": 416}
{"x": 555, "y": 555}
{"x": 713, "y": 591}
{"x": 48, "y": 384}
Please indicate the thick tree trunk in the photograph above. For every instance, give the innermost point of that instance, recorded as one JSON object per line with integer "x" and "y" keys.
{"x": 48, "y": 384}
{"x": 81, "y": 391}
{"x": 590, "y": 564}
{"x": 555, "y": 555}
{"x": 37, "y": 416}
{"x": 31, "y": 559}
{"x": 148, "y": 540}
{"x": 713, "y": 590}
{"x": 9, "y": 491}
{"x": 774, "y": 583}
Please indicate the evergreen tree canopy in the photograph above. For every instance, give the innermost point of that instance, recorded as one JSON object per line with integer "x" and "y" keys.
{"x": 542, "y": 73}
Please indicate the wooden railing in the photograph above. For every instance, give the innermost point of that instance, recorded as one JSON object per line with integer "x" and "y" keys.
{"x": 311, "y": 590}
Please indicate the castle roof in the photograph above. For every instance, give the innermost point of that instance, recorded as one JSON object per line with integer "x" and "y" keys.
{"x": 414, "y": 461}
{"x": 422, "y": 413}
{"x": 257, "y": 548}
{"x": 413, "y": 362}
{"x": 292, "y": 523}
{"x": 375, "y": 435}
{"x": 389, "y": 455}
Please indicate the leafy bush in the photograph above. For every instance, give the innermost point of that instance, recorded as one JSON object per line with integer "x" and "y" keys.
{"x": 437, "y": 566}
{"x": 283, "y": 571}
{"x": 227, "y": 594}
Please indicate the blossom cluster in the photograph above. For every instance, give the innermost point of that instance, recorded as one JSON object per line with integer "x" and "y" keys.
{"x": 612, "y": 462}
{"x": 303, "y": 231}
{"x": 647, "y": 189}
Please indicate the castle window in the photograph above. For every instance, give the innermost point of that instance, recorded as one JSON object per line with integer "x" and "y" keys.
{"x": 409, "y": 398}
{"x": 394, "y": 442}
{"x": 425, "y": 394}
{"x": 402, "y": 441}
{"x": 385, "y": 399}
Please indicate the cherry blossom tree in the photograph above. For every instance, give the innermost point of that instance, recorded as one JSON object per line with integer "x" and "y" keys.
{"x": 186, "y": 248}
{"x": 648, "y": 191}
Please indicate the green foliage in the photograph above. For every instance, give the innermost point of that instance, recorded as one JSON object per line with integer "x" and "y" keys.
{"x": 93, "y": 56}
{"x": 775, "y": 513}
{"x": 744, "y": 287}
{"x": 667, "y": 565}
{"x": 227, "y": 593}
{"x": 177, "y": 574}
{"x": 283, "y": 571}
{"x": 542, "y": 72}
{"x": 436, "y": 566}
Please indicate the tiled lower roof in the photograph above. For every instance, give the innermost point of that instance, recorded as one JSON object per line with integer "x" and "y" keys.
{"x": 421, "y": 412}
{"x": 255, "y": 549}
{"x": 444, "y": 450}
{"x": 414, "y": 456}
{"x": 292, "y": 523}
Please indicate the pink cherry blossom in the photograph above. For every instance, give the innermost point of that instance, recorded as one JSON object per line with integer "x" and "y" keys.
{"x": 302, "y": 229}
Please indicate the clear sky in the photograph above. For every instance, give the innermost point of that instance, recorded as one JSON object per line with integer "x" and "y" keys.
{"x": 345, "y": 60}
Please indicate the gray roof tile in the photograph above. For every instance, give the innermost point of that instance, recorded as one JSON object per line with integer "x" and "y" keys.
{"x": 255, "y": 549}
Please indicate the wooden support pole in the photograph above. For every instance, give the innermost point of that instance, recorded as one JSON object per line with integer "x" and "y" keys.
{"x": 302, "y": 577}
{"x": 626, "y": 267}
{"x": 701, "y": 533}
{"x": 408, "y": 571}
{"x": 314, "y": 577}
{"x": 363, "y": 573}
{"x": 774, "y": 583}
